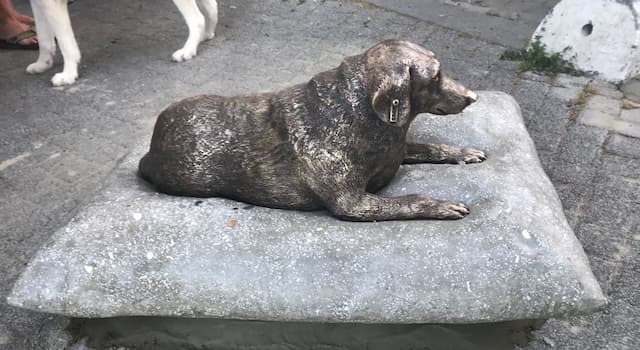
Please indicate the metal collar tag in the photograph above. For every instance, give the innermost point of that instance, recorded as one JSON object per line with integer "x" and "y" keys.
{"x": 393, "y": 111}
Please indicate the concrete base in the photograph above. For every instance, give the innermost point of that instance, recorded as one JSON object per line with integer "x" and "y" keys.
{"x": 160, "y": 333}
{"x": 597, "y": 35}
{"x": 135, "y": 252}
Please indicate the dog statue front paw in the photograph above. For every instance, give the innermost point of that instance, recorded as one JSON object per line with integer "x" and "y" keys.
{"x": 471, "y": 155}
{"x": 429, "y": 208}
{"x": 450, "y": 211}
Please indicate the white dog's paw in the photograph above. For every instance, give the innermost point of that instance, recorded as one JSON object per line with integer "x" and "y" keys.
{"x": 183, "y": 54}
{"x": 63, "y": 78}
{"x": 209, "y": 34}
{"x": 39, "y": 67}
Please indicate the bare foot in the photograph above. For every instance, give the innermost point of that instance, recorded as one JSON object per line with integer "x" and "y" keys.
{"x": 25, "y": 19}
{"x": 12, "y": 12}
{"x": 12, "y": 27}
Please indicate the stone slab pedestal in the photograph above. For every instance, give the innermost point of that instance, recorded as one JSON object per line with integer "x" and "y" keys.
{"x": 135, "y": 252}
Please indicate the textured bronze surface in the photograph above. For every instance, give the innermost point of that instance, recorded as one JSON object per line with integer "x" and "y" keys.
{"x": 329, "y": 143}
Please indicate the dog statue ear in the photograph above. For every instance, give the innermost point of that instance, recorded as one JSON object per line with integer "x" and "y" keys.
{"x": 391, "y": 101}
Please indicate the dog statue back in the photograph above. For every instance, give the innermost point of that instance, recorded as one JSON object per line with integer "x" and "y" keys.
{"x": 236, "y": 147}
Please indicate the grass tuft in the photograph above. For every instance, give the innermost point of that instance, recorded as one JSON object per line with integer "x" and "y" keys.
{"x": 581, "y": 101}
{"x": 536, "y": 58}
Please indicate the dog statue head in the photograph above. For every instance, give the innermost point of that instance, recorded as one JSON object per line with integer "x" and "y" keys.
{"x": 404, "y": 80}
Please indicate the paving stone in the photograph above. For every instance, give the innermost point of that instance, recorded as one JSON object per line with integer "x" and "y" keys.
{"x": 141, "y": 252}
{"x": 532, "y": 93}
{"x": 603, "y": 105}
{"x": 604, "y": 112}
{"x": 606, "y": 89}
{"x": 621, "y": 166}
{"x": 544, "y": 139}
{"x": 568, "y": 94}
{"x": 565, "y": 80}
{"x": 568, "y": 88}
{"x": 585, "y": 332}
{"x": 625, "y": 287}
{"x": 569, "y": 334}
{"x": 577, "y": 334}
{"x": 614, "y": 201}
{"x": 535, "y": 76}
{"x": 606, "y": 270}
{"x": 449, "y": 43}
{"x": 624, "y": 324}
{"x": 624, "y": 146}
{"x": 546, "y": 122}
{"x": 577, "y": 155}
{"x": 609, "y": 122}
{"x": 546, "y": 159}
{"x": 627, "y": 128}
{"x": 580, "y": 173}
{"x": 22, "y": 337}
{"x": 581, "y": 143}
{"x": 631, "y": 115}
{"x": 492, "y": 28}
{"x": 599, "y": 242}
{"x": 631, "y": 89}
{"x": 573, "y": 197}
{"x": 499, "y": 79}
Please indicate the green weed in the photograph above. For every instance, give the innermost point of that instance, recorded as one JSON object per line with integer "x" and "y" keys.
{"x": 536, "y": 58}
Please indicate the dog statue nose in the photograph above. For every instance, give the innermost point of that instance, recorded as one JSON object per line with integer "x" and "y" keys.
{"x": 472, "y": 96}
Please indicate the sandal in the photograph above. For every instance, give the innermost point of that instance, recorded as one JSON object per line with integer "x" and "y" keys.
{"x": 14, "y": 42}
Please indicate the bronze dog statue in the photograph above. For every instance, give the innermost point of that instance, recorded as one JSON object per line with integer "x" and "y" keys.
{"x": 329, "y": 143}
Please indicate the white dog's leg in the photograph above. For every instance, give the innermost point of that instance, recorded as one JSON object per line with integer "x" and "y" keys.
{"x": 210, "y": 9}
{"x": 58, "y": 17}
{"x": 195, "y": 22}
{"x": 46, "y": 39}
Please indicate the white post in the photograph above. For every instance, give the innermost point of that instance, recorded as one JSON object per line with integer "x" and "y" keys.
{"x": 596, "y": 35}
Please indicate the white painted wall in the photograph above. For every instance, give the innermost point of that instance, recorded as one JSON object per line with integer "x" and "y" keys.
{"x": 613, "y": 47}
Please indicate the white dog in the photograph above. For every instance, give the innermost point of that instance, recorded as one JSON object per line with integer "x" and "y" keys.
{"x": 52, "y": 22}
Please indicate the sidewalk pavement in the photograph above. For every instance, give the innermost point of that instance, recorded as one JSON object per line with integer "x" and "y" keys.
{"x": 57, "y": 145}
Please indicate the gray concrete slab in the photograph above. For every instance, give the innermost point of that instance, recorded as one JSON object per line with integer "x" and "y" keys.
{"x": 513, "y": 258}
